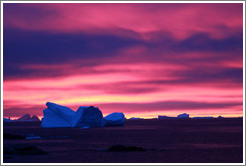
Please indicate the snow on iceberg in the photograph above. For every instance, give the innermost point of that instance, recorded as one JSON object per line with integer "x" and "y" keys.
{"x": 114, "y": 119}
{"x": 184, "y": 115}
{"x": 60, "y": 116}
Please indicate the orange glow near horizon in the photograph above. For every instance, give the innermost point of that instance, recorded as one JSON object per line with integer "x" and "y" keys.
{"x": 96, "y": 89}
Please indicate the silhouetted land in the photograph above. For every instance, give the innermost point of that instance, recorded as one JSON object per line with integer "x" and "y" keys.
{"x": 139, "y": 141}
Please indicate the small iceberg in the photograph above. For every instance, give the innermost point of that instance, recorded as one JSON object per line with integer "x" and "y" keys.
{"x": 114, "y": 119}
{"x": 184, "y": 116}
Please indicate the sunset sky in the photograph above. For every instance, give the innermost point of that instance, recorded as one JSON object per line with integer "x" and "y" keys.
{"x": 143, "y": 60}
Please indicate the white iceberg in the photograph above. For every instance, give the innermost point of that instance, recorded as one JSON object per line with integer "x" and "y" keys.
{"x": 57, "y": 116}
{"x": 184, "y": 115}
{"x": 52, "y": 119}
{"x": 60, "y": 116}
{"x": 114, "y": 119}
{"x": 62, "y": 112}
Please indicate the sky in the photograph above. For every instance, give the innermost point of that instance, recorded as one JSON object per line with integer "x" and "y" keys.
{"x": 141, "y": 59}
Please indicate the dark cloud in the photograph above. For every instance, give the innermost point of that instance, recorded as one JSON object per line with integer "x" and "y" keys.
{"x": 42, "y": 47}
{"x": 203, "y": 42}
{"x": 215, "y": 75}
{"x": 27, "y": 47}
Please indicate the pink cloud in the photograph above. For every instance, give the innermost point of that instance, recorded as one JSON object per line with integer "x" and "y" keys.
{"x": 90, "y": 93}
{"x": 179, "y": 20}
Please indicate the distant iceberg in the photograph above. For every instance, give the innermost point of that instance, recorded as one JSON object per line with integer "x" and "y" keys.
{"x": 35, "y": 119}
{"x": 205, "y": 117}
{"x": 25, "y": 117}
{"x": 28, "y": 118}
{"x": 165, "y": 117}
{"x": 85, "y": 117}
{"x": 133, "y": 118}
{"x": 184, "y": 115}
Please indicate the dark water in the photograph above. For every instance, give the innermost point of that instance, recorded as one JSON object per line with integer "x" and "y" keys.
{"x": 163, "y": 141}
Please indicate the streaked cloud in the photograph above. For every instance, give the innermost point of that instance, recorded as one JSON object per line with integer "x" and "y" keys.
{"x": 153, "y": 59}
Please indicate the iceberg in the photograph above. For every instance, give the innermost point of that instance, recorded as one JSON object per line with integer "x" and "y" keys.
{"x": 34, "y": 119}
{"x": 25, "y": 117}
{"x": 60, "y": 116}
{"x": 28, "y": 118}
{"x": 88, "y": 116}
{"x": 133, "y": 118}
{"x": 52, "y": 119}
{"x": 184, "y": 115}
{"x": 61, "y": 111}
{"x": 85, "y": 117}
{"x": 57, "y": 116}
{"x": 165, "y": 117}
{"x": 204, "y": 117}
{"x": 114, "y": 119}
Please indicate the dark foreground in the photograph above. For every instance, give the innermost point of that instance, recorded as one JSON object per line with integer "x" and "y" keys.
{"x": 139, "y": 141}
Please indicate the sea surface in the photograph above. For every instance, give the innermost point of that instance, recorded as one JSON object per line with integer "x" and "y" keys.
{"x": 143, "y": 141}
